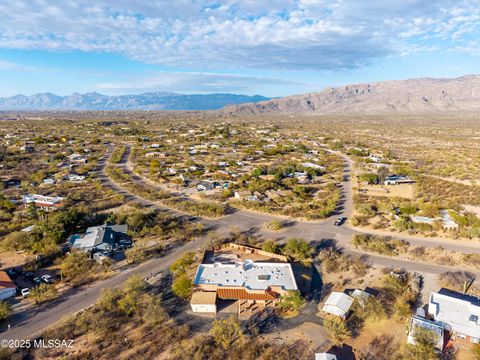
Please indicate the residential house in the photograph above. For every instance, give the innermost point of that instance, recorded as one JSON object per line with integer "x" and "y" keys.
{"x": 47, "y": 203}
{"x": 242, "y": 194}
{"x": 445, "y": 219}
{"x": 418, "y": 322}
{"x": 10, "y": 181}
{"x": 314, "y": 166}
{"x": 100, "y": 238}
{"x": 49, "y": 181}
{"x": 338, "y": 304}
{"x": 397, "y": 180}
{"x": 75, "y": 177}
{"x": 27, "y": 148}
{"x": 250, "y": 278}
{"x": 77, "y": 159}
{"x": 458, "y": 313}
{"x": 7, "y": 287}
{"x": 206, "y": 185}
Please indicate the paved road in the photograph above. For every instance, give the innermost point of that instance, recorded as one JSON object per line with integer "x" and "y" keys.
{"x": 30, "y": 323}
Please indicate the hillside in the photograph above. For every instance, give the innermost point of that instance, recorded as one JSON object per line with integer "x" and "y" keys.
{"x": 146, "y": 101}
{"x": 425, "y": 95}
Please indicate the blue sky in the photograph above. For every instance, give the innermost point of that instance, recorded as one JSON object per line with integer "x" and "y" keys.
{"x": 273, "y": 47}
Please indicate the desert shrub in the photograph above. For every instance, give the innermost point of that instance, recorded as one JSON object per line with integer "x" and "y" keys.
{"x": 337, "y": 330}
{"x": 270, "y": 246}
{"x": 298, "y": 249}
{"x": 380, "y": 245}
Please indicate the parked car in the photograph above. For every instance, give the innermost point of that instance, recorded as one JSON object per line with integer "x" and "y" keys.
{"x": 11, "y": 272}
{"x": 47, "y": 279}
{"x": 29, "y": 275}
{"x": 339, "y": 221}
{"x": 37, "y": 280}
{"x": 25, "y": 292}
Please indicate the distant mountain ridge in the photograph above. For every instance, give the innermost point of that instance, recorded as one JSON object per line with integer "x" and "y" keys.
{"x": 146, "y": 101}
{"x": 424, "y": 95}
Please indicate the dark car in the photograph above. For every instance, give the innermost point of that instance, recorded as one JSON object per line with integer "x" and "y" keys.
{"x": 11, "y": 272}
{"x": 340, "y": 221}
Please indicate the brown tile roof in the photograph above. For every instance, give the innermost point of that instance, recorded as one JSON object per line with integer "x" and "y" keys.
{"x": 5, "y": 281}
{"x": 243, "y": 294}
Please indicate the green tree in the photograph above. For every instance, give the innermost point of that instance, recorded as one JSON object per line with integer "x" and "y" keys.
{"x": 75, "y": 266}
{"x": 424, "y": 348}
{"x": 182, "y": 286}
{"x": 382, "y": 174}
{"x": 337, "y": 330}
{"x": 297, "y": 249}
{"x": 270, "y": 246}
{"x": 5, "y": 310}
{"x": 370, "y": 308}
{"x": 292, "y": 301}
{"x": 226, "y": 331}
{"x": 476, "y": 351}
{"x": 43, "y": 293}
{"x": 369, "y": 178}
{"x": 154, "y": 167}
{"x": 108, "y": 299}
{"x": 180, "y": 266}
{"x": 17, "y": 240}
{"x": 135, "y": 254}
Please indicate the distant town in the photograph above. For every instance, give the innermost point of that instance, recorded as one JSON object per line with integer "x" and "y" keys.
{"x": 142, "y": 231}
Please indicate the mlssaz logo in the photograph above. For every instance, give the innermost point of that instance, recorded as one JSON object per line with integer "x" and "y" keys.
{"x": 52, "y": 343}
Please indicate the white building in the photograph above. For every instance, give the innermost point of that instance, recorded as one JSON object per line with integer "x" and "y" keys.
{"x": 325, "y": 356}
{"x": 338, "y": 304}
{"x": 204, "y": 301}
{"x": 459, "y": 313}
{"x": 48, "y": 203}
{"x": 417, "y": 322}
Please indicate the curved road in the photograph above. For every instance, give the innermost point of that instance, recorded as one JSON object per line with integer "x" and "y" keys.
{"x": 29, "y": 323}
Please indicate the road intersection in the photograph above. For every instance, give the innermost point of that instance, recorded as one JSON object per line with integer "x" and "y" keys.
{"x": 30, "y": 323}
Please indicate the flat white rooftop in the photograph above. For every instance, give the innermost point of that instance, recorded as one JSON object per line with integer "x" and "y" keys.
{"x": 249, "y": 274}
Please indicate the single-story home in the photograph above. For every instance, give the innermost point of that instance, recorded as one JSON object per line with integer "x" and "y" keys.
{"x": 206, "y": 185}
{"x": 458, "y": 313}
{"x": 397, "y": 179}
{"x": 338, "y": 304}
{"x": 100, "y": 238}
{"x": 418, "y": 322}
{"x": 7, "y": 287}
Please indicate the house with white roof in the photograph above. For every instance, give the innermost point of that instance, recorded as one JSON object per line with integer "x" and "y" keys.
{"x": 47, "y": 203}
{"x": 338, "y": 304}
{"x": 418, "y": 322}
{"x": 252, "y": 278}
{"x": 458, "y": 313}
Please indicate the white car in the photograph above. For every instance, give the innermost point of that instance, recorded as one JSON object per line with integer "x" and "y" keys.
{"x": 25, "y": 292}
{"x": 47, "y": 278}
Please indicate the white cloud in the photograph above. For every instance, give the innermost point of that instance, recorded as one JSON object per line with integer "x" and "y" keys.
{"x": 291, "y": 34}
{"x": 201, "y": 82}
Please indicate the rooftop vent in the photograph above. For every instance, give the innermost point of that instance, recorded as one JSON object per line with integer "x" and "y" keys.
{"x": 263, "y": 277}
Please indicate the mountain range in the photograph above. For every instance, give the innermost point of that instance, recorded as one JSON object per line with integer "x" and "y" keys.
{"x": 146, "y": 101}
{"x": 424, "y": 95}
